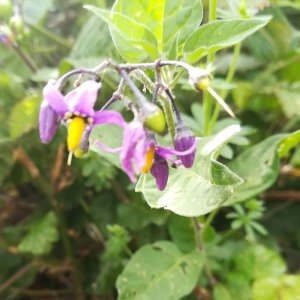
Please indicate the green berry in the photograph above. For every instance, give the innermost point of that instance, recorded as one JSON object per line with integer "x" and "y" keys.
{"x": 156, "y": 121}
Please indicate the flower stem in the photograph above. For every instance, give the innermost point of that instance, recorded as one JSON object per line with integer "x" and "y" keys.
{"x": 139, "y": 96}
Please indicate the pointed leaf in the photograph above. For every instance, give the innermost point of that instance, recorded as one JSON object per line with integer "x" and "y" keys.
{"x": 133, "y": 41}
{"x": 159, "y": 271}
{"x": 258, "y": 166}
{"x": 166, "y": 19}
{"x": 220, "y": 34}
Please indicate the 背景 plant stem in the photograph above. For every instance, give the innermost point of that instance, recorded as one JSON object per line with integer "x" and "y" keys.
{"x": 229, "y": 77}
{"x": 207, "y": 103}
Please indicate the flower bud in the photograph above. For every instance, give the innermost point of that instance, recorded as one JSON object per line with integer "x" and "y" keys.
{"x": 48, "y": 122}
{"x": 154, "y": 118}
{"x": 183, "y": 141}
{"x": 160, "y": 172}
{"x": 199, "y": 78}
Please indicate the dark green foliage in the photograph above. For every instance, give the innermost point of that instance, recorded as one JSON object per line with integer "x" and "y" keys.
{"x": 225, "y": 229}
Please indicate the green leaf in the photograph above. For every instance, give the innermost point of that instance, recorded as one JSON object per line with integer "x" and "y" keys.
{"x": 116, "y": 243}
{"x": 197, "y": 190}
{"x": 110, "y": 136}
{"x": 159, "y": 271}
{"x": 168, "y": 20}
{"x": 221, "y": 292}
{"x": 220, "y": 34}
{"x": 86, "y": 36}
{"x": 289, "y": 143}
{"x": 257, "y": 262}
{"x": 136, "y": 215}
{"x": 134, "y": 42}
{"x": 41, "y": 236}
{"x": 289, "y": 98}
{"x": 285, "y": 287}
{"x": 33, "y": 13}
{"x": 24, "y": 116}
{"x": 182, "y": 232}
{"x": 258, "y": 166}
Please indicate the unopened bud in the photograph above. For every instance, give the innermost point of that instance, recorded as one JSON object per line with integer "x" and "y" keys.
{"x": 48, "y": 122}
{"x": 183, "y": 141}
{"x": 199, "y": 78}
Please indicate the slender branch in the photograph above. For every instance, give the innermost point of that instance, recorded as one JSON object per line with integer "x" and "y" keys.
{"x": 290, "y": 195}
{"x": 198, "y": 230}
{"x": 27, "y": 60}
{"x": 21, "y": 272}
{"x": 139, "y": 96}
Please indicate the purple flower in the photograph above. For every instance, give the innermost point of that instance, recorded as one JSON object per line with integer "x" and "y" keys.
{"x": 137, "y": 150}
{"x": 141, "y": 154}
{"x": 76, "y": 109}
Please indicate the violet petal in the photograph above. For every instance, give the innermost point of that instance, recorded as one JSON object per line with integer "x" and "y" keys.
{"x": 82, "y": 99}
{"x": 160, "y": 172}
{"x": 48, "y": 122}
{"x": 55, "y": 98}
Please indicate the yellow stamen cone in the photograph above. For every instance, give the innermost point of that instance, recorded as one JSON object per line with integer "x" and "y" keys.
{"x": 75, "y": 132}
{"x": 148, "y": 160}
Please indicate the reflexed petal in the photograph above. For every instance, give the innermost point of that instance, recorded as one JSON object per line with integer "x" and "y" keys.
{"x": 48, "y": 122}
{"x": 82, "y": 99}
{"x": 168, "y": 152}
{"x": 108, "y": 117}
{"x": 160, "y": 172}
{"x": 134, "y": 149}
{"x": 55, "y": 98}
{"x": 106, "y": 148}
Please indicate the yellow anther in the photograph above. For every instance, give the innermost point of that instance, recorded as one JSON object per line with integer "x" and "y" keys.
{"x": 75, "y": 131}
{"x": 148, "y": 160}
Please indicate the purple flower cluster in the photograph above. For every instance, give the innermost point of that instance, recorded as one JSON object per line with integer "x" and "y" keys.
{"x": 139, "y": 153}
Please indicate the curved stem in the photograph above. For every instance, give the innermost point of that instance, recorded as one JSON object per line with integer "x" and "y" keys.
{"x": 26, "y": 59}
